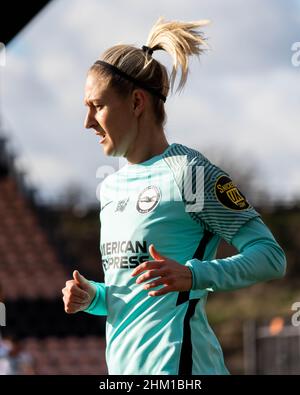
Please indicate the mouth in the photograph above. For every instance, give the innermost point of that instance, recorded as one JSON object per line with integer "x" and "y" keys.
{"x": 103, "y": 135}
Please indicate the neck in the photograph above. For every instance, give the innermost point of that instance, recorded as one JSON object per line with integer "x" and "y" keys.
{"x": 147, "y": 146}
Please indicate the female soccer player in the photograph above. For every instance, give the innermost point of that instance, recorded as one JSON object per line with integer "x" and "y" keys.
{"x": 162, "y": 217}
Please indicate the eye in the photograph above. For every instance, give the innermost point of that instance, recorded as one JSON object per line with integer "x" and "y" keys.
{"x": 98, "y": 107}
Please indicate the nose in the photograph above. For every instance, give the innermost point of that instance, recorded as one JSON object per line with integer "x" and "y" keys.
{"x": 90, "y": 120}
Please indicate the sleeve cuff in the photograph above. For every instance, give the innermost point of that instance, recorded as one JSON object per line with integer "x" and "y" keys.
{"x": 199, "y": 271}
{"x": 95, "y": 300}
{"x": 190, "y": 266}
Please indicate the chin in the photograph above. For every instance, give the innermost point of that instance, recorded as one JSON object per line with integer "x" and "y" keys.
{"x": 109, "y": 149}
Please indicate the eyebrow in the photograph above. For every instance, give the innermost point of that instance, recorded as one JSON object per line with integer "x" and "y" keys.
{"x": 89, "y": 102}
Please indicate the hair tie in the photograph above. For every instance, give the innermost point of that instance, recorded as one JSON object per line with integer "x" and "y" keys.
{"x": 147, "y": 50}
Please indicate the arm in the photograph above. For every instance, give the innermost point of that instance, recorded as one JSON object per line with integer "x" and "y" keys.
{"x": 98, "y": 304}
{"x": 260, "y": 259}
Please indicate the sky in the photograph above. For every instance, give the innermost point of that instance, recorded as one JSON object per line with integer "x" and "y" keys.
{"x": 241, "y": 101}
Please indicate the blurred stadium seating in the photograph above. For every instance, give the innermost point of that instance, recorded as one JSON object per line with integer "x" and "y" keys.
{"x": 32, "y": 275}
{"x": 71, "y": 355}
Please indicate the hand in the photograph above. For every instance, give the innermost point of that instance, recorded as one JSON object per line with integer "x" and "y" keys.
{"x": 175, "y": 276}
{"x": 78, "y": 293}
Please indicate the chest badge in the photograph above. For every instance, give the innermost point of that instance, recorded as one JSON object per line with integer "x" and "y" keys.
{"x": 148, "y": 199}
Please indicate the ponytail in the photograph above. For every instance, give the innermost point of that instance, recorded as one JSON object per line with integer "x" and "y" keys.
{"x": 179, "y": 39}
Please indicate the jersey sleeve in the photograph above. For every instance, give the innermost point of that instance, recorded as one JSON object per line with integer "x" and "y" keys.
{"x": 98, "y": 304}
{"x": 224, "y": 208}
{"x": 260, "y": 259}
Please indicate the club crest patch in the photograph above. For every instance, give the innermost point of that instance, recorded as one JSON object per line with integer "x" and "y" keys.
{"x": 229, "y": 195}
{"x": 148, "y": 199}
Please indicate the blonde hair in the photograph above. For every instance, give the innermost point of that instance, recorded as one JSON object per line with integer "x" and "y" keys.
{"x": 179, "y": 39}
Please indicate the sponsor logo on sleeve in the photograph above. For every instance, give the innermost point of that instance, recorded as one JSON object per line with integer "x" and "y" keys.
{"x": 229, "y": 195}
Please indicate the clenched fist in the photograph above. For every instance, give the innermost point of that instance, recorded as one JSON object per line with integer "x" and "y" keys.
{"x": 78, "y": 293}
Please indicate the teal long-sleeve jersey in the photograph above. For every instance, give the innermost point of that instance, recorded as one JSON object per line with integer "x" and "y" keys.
{"x": 184, "y": 205}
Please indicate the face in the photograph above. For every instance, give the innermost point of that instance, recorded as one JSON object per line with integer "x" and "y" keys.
{"x": 112, "y": 118}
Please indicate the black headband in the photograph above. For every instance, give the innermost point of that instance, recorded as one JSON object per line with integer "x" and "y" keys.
{"x": 132, "y": 79}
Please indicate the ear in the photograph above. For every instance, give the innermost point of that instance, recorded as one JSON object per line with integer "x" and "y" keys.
{"x": 139, "y": 101}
